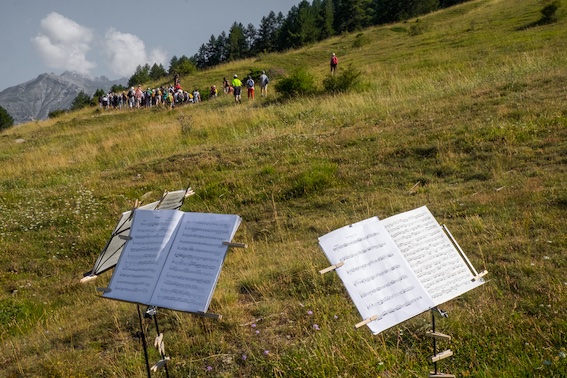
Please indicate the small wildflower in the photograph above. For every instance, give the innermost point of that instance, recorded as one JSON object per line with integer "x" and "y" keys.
{"x": 336, "y": 316}
{"x": 316, "y": 327}
{"x": 266, "y": 352}
{"x": 309, "y": 312}
{"x": 253, "y": 325}
{"x": 209, "y": 368}
{"x": 257, "y": 332}
{"x": 244, "y": 357}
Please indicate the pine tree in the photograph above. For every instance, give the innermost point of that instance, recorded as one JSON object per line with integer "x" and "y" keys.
{"x": 236, "y": 42}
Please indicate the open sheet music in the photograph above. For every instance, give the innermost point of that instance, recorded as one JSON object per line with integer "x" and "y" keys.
{"x": 113, "y": 249}
{"x": 173, "y": 259}
{"x": 398, "y": 267}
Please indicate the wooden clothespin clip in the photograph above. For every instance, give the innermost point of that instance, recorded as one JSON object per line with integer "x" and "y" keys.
{"x": 440, "y": 375}
{"x": 441, "y": 355}
{"x": 438, "y": 336}
{"x": 159, "y": 344}
{"x": 125, "y": 237}
{"x": 366, "y": 321}
{"x": 235, "y": 245}
{"x": 189, "y": 192}
{"x": 332, "y": 267}
{"x": 160, "y": 364}
{"x": 103, "y": 289}
{"x": 88, "y": 278}
{"x": 480, "y": 275}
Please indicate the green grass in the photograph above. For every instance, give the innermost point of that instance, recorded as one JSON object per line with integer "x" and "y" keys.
{"x": 464, "y": 113}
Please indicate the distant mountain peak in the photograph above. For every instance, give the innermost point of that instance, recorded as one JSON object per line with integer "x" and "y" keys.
{"x": 35, "y": 99}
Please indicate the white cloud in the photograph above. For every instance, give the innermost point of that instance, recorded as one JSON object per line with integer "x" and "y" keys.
{"x": 125, "y": 52}
{"x": 63, "y": 44}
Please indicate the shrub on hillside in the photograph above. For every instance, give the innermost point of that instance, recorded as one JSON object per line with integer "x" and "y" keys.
{"x": 6, "y": 119}
{"x": 360, "y": 40}
{"x": 56, "y": 113}
{"x": 342, "y": 82}
{"x": 300, "y": 82}
{"x": 549, "y": 11}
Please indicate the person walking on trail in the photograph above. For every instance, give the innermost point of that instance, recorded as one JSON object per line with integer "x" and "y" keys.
{"x": 334, "y": 63}
{"x": 264, "y": 84}
{"x": 225, "y": 86}
{"x": 237, "y": 85}
{"x": 250, "y": 86}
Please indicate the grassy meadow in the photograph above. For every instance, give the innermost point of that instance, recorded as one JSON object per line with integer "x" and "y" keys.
{"x": 463, "y": 110}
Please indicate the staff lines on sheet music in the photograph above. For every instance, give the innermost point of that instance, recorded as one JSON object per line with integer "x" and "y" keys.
{"x": 399, "y": 307}
{"x": 457, "y": 277}
{"x": 183, "y": 278}
{"x": 170, "y": 298}
{"x": 130, "y": 269}
{"x": 361, "y": 252}
{"x": 418, "y": 260}
{"x": 214, "y": 224}
{"x": 130, "y": 290}
{"x": 411, "y": 220}
{"x": 193, "y": 257}
{"x": 356, "y": 241}
{"x": 428, "y": 240}
{"x": 144, "y": 247}
{"x": 199, "y": 243}
{"x": 188, "y": 271}
{"x": 215, "y": 231}
{"x": 380, "y": 288}
{"x": 131, "y": 262}
{"x": 185, "y": 294}
{"x": 389, "y": 297}
{"x": 441, "y": 265}
{"x": 184, "y": 285}
{"x": 137, "y": 283}
{"x": 373, "y": 277}
{"x": 190, "y": 264}
{"x": 191, "y": 236}
{"x": 447, "y": 270}
{"x": 370, "y": 263}
{"x": 139, "y": 276}
{"x": 149, "y": 236}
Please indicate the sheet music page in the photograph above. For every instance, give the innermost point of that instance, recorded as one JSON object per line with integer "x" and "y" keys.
{"x": 111, "y": 252}
{"x": 143, "y": 256}
{"x": 172, "y": 200}
{"x": 194, "y": 263}
{"x": 431, "y": 254}
{"x": 376, "y": 275}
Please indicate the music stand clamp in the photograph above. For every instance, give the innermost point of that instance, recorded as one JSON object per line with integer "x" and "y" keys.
{"x": 437, "y": 336}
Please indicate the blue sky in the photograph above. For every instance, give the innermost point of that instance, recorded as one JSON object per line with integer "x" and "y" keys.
{"x": 112, "y": 38}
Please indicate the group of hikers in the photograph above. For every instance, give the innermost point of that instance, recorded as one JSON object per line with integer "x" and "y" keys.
{"x": 234, "y": 87}
{"x": 175, "y": 95}
{"x": 136, "y": 98}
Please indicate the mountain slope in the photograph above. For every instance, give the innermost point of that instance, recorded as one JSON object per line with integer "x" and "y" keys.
{"x": 35, "y": 99}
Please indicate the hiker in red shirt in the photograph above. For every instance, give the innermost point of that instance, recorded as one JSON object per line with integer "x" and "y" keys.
{"x": 334, "y": 63}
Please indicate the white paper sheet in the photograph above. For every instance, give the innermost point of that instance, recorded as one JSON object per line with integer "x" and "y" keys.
{"x": 375, "y": 274}
{"x": 431, "y": 254}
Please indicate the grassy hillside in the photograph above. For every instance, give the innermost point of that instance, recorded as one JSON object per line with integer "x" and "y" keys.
{"x": 464, "y": 111}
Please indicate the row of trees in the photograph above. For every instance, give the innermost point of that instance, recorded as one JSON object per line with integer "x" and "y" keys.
{"x": 305, "y": 23}
{"x": 308, "y": 23}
